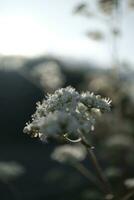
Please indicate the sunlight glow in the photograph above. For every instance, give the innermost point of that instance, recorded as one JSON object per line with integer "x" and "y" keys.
{"x": 22, "y": 36}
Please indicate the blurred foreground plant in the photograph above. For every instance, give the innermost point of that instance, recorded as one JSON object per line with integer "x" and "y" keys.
{"x": 9, "y": 171}
{"x": 49, "y": 76}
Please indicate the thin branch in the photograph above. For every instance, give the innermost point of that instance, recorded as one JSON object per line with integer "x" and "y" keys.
{"x": 98, "y": 169}
{"x": 128, "y": 196}
{"x": 87, "y": 174}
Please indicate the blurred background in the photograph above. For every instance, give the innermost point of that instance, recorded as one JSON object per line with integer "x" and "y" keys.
{"x": 46, "y": 45}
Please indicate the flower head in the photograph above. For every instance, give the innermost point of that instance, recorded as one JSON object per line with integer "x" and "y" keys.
{"x": 66, "y": 113}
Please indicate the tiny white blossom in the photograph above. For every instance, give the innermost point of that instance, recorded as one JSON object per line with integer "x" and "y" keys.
{"x": 95, "y": 101}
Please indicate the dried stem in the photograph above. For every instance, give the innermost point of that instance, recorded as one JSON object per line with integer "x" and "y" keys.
{"x": 86, "y": 173}
{"x": 129, "y": 195}
{"x": 102, "y": 179}
{"x": 99, "y": 171}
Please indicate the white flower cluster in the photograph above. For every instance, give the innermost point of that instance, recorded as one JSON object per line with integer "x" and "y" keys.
{"x": 69, "y": 153}
{"x": 66, "y": 112}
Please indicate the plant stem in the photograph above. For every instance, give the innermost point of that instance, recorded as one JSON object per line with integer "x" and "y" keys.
{"x": 86, "y": 173}
{"x": 102, "y": 179}
{"x": 128, "y": 196}
{"x": 101, "y": 176}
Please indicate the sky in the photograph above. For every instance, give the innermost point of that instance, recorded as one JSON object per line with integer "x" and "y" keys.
{"x": 37, "y": 27}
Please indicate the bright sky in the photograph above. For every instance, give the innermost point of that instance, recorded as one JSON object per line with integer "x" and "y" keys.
{"x": 34, "y": 27}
